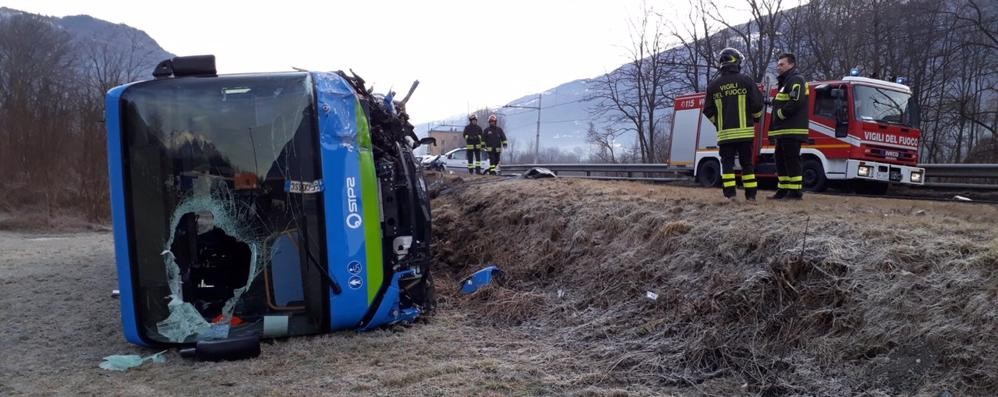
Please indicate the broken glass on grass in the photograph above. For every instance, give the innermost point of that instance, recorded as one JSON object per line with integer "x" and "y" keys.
{"x": 123, "y": 362}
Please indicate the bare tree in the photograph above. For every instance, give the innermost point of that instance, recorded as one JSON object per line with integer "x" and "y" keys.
{"x": 759, "y": 37}
{"x": 696, "y": 50}
{"x": 603, "y": 142}
{"x": 637, "y": 94}
{"x": 105, "y": 65}
{"x": 34, "y": 105}
{"x": 981, "y": 19}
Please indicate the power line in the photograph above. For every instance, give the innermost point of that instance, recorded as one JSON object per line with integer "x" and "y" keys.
{"x": 550, "y": 122}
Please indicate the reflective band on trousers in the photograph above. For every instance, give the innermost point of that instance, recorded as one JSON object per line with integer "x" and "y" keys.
{"x": 791, "y": 182}
{"x": 789, "y": 131}
{"x": 749, "y": 182}
{"x": 729, "y": 180}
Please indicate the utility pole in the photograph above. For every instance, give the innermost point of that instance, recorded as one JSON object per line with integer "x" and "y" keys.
{"x": 537, "y": 138}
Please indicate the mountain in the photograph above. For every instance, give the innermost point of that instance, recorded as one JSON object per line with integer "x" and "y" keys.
{"x": 120, "y": 39}
{"x": 564, "y": 118}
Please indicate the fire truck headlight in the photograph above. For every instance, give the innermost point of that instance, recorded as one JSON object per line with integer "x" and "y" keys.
{"x": 864, "y": 170}
{"x": 916, "y": 176}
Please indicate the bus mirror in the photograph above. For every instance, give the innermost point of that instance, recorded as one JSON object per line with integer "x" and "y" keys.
{"x": 425, "y": 141}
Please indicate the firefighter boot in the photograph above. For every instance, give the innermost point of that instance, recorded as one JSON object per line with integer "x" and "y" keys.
{"x": 728, "y": 183}
{"x": 794, "y": 195}
{"x": 780, "y": 194}
{"x": 750, "y": 195}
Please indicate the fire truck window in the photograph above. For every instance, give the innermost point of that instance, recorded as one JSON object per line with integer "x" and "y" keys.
{"x": 824, "y": 104}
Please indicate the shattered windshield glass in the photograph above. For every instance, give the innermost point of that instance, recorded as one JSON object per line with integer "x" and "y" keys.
{"x": 224, "y": 188}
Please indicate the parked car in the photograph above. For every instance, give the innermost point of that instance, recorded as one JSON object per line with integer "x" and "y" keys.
{"x": 457, "y": 160}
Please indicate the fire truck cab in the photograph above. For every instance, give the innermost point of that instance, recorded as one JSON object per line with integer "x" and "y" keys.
{"x": 862, "y": 130}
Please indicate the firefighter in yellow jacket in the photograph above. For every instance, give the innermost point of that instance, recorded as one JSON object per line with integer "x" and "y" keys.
{"x": 789, "y": 128}
{"x": 473, "y": 140}
{"x": 732, "y": 103}
{"x": 495, "y": 141}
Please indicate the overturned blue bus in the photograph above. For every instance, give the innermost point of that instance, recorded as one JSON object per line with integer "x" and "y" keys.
{"x": 267, "y": 205}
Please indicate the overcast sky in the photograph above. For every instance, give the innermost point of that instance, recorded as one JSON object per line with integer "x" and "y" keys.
{"x": 465, "y": 53}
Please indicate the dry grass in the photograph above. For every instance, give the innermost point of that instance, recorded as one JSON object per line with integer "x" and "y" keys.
{"x": 892, "y": 297}
{"x": 60, "y": 320}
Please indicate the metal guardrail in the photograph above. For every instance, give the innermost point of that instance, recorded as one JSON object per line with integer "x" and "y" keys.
{"x": 623, "y": 170}
{"x": 961, "y": 170}
{"x": 959, "y": 176}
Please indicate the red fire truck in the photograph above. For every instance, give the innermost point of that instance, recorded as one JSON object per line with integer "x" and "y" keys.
{"x": 862, "y": 131}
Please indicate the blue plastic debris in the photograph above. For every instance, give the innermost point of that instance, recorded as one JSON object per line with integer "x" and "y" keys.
{"x": 390, "y": 102}
{"x": 479, "y": 279}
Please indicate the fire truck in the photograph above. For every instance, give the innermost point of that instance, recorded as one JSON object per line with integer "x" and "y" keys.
{"x": 863, "y": 135}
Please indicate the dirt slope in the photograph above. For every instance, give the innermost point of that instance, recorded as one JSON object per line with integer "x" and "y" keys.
{"x": 885, "y": 297}
{"x": 897, "y": 297}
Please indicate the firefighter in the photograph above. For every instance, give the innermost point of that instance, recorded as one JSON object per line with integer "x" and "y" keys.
{"x": 789, "y": 128}
{"x": 733, "y": 103}
{"x": 495, "y": 141}
{"x": 473, "y": 142}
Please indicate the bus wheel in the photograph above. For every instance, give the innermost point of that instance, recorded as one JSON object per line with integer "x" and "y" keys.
{"x": 814, "y": 175}
{"x": 709, "y": 173}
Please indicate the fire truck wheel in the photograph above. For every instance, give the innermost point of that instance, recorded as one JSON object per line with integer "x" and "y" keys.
{"x": 814, "y": 175}
{"x": 709, "y": 173}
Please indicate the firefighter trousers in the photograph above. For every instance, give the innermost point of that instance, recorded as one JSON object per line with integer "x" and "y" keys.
{"x": 788, "y": 168}
{"x": 494, "y": 162}
{"x": 744, "y": 152}
{"x": 474, "y": 159}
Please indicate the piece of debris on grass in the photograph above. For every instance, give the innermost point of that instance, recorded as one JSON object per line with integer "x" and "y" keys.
{"x": 961, "y": 198}
{"x": 538, "y": 173}
{"x": 122, "y": 362}
{"x": 479, "y": 279}
{"x": 651, "y": 295}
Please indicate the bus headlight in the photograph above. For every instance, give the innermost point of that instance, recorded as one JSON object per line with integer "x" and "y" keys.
{"x": 916, "y": 176}
{"x": 866, "y": 171}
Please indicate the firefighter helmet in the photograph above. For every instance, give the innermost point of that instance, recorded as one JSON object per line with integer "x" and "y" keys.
{"x": 472, "y": 117}
{"x": 492, "y": 118}
{"x": 730, "y": 56}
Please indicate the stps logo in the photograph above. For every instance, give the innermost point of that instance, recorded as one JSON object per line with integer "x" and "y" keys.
{"x": 353, "y": 219}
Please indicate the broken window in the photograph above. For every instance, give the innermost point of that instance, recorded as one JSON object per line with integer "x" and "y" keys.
{"x": 224, "y": 207}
